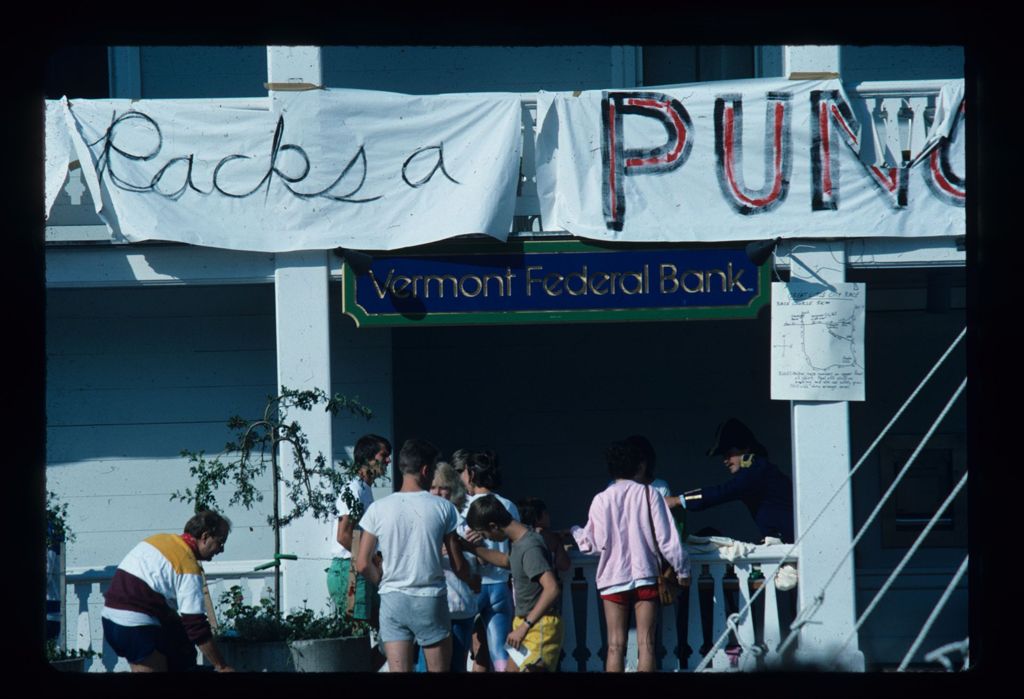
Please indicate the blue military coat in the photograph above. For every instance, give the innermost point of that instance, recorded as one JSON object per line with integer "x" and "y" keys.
{"x": 763, "y": 488}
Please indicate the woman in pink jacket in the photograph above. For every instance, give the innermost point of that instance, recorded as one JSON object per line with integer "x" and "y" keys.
{"x": 619, "y": 530}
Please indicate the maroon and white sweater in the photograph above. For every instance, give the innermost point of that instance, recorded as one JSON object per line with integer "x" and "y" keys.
{"x": 158, "y": 580}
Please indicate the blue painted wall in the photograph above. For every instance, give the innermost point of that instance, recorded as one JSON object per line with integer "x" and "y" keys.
{"x": 433, "y": 69}
{"x": 203, "y": 71}
{"x": 859, "y": 63}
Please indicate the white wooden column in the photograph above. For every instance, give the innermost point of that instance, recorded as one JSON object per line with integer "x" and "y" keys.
{"x": 821, "y": 447}
{"x": 798, "y": 61}
{"x": 821, "y": 462}
{"x": 303, "y": 356}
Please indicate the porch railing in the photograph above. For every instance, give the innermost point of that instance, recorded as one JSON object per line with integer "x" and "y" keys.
{"x": 83, "y": 629}
{"x": 719, "y": 587}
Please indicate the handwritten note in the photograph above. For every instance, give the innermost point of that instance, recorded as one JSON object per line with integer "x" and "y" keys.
{"x": 817, "y": 341}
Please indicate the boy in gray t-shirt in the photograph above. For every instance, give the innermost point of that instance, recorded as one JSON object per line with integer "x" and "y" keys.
{"x": 537, "y": 626}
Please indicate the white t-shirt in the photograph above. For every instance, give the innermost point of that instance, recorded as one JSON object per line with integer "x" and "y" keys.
{"x": 410, "y": 530}
{"x": 365, "y": 495}
{"x": 491, "y": 573}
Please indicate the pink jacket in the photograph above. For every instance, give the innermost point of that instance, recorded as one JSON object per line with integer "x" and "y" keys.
{"x": 619, "y": 529}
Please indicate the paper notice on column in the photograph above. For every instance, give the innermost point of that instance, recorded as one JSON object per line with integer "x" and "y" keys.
{"x": 817, "y": 341}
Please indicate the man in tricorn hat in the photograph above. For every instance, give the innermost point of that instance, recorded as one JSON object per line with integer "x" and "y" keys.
{"x": 759, "y": 484}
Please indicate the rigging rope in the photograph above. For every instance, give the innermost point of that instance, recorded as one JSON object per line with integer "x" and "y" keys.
{"x": 934, "y": 615}
{"x": 791, "y": 638}
{"x": 804, "y": 615}
{"x": 892, "y": 576}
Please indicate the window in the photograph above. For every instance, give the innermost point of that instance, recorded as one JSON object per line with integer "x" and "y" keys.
{"x": 930, "y": 480}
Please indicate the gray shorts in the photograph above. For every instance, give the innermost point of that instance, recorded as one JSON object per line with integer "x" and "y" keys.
{"x": 407, "y": 617}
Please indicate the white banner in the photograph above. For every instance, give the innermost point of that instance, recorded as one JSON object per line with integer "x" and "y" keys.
{"x": 817, "y": 341}
{"x": 740, "y": 160}
{"x": 57, "y": 153}
{"x": 353, "y": 168}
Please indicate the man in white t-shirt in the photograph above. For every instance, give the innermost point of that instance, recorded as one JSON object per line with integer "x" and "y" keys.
{"x": 409, "y": 527}
{"x": 350, "y": 592}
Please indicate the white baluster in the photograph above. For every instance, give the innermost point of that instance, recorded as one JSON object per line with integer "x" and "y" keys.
{"x": 593, "y": 639}
{"x": 721, "y": 659}
{"x": 919, "y": 130}
{"x": 772, "y": 634}
{"x": 893, "y": 105}
{"x": 631, "y": 658}
{"x": 255, "y": 586}
{"x": 84, "y": 636}
{"x": 694, "y": 628}
{"x": 62, "y": 638}
{"x": 74, "y": 186}
{"x": 568, "y": 622}
{"x": 668, "y": 634}
{"x": 745, "y": 626}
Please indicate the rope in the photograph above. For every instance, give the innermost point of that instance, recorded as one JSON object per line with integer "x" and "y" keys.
{"x": 804, "y": 615}
{"x": 935, "y": 613}
{"x": 892, "y": 576}
{"x": 790, "y": 639}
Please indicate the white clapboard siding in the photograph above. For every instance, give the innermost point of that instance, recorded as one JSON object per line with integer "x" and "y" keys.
{"x": 99, "y": 370}
{"x": 72, "y": 443}
{"x": 142, "y": 335}
{"x": 160, "y": 404}
{"x": 134, "y": 377}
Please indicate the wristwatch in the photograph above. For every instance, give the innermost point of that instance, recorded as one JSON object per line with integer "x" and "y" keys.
{"x": 529, "y": 624}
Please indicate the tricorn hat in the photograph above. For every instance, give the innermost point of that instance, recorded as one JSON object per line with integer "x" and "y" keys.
{"x": 733, "y": 434}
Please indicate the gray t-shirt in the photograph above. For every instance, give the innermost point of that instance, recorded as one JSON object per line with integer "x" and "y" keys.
{"x": 529, "y": 558}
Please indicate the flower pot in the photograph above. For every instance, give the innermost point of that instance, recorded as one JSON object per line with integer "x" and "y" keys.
{"x": 348, "y": 654}
{"x": 69, "y": 665}
{"x": 256, "y": 656}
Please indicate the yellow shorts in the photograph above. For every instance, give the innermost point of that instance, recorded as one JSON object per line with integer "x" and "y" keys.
{"x": 543, "y": 642}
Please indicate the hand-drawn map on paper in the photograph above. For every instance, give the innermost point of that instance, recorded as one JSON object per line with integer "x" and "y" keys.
{"x": 817, "y": 341}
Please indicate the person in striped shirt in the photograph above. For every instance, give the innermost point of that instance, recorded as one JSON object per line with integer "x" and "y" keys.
{"x": 153, "y": 615}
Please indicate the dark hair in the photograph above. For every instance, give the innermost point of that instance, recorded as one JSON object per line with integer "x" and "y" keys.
{"x": 485, "y": 510}
{"x": 459, "y": 458}
{"x": 207, "y": 521}
{"x": 368, "y": 446}
{"x": 623, "y": 460}
{"x": 483, "y": 469}
{"x": 415, "y": 454}
{"x": 646, "y": 452}
{"x": 531, "y": 510}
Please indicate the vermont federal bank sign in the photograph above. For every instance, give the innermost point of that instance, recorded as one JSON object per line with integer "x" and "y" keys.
{"x": 554, "y": 282}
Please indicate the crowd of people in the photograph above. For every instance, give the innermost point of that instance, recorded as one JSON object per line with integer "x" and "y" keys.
{"x": 447, "y": 569}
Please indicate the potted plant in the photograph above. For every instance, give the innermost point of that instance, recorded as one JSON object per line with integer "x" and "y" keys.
{"x": 314, "y": 486}
{"x": 261, "y": 638}
{"x": 57, "y": 534}
{"x": 64, "y": 660}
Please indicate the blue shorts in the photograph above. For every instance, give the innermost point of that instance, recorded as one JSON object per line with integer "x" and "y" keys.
{"x": 136, "y": 643}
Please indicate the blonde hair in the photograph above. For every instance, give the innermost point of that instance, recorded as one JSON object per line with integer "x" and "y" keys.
{"x": 446, "y": 475}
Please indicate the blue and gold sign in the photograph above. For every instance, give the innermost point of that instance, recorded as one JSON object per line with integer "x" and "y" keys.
{"x": 554, "y": 281}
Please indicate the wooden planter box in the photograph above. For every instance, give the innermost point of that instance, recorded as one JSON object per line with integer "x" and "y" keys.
{"x": 350, "y": 654}
{"x": 69, "y": 665}
{"x": 256, "y": 656}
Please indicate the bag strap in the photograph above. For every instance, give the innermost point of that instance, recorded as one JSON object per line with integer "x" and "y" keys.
{"x": 654, "y": 532}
